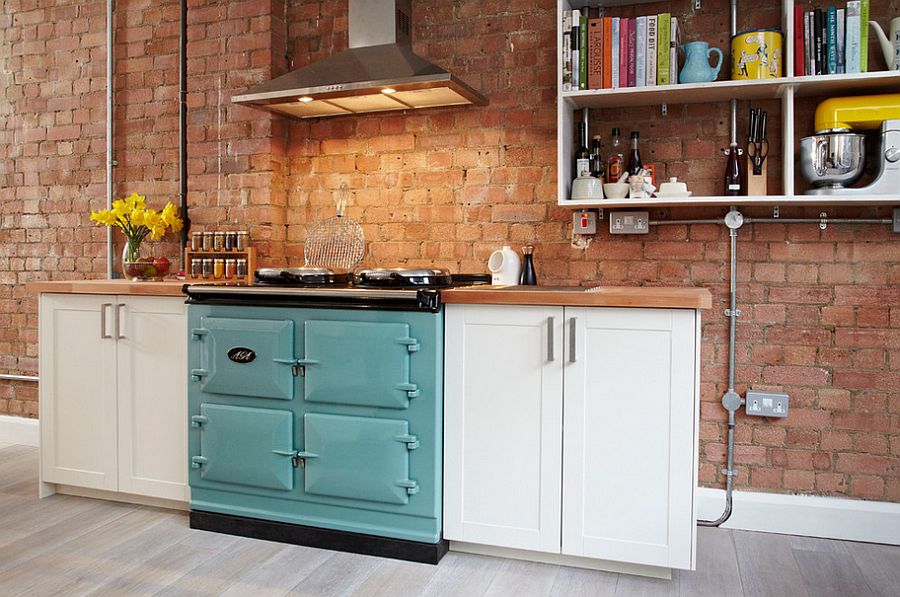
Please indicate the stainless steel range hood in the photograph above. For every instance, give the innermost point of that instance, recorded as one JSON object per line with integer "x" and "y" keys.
{"x": 379, "y": 72}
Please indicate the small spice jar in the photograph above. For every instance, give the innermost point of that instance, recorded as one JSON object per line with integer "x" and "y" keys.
{"x": 219, "y": 241}
{"x": 207, "y": 268}
{"x": 230, "y": 269}
{"x": 207, "y": 241}
{"x": 230, "y": 241}
{"x": 243, "y": 239}
{"x": 196, "y": 268}
{"x": 196, "y": 241}
{"x": 218, "y": 268}
{"x": 241, "y": 268}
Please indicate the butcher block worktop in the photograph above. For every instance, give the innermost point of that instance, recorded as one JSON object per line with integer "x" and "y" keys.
{"x": 603, "y": 296}
{"x": 164, "y": 288}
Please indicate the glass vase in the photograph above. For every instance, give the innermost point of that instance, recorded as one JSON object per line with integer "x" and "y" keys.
{"x": 137, "y": 264}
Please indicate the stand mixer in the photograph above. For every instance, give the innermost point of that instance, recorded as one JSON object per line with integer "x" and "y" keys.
{"x": 834, "y": 157}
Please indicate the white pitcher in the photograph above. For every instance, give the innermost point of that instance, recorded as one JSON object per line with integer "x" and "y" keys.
{"x": 890, "y": 44}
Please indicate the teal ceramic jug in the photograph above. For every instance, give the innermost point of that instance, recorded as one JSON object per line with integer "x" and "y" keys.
{"x": 696, "y": 67}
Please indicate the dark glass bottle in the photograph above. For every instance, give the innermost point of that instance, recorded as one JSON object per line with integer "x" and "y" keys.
{"x": 616, "y": 157}
{"x": 596, "y": 159}
{"x": 635, "y": 165}
{"x": 582, "y": 155}
{"x": 529, "y": 277}
{"x": 733, "y": 172}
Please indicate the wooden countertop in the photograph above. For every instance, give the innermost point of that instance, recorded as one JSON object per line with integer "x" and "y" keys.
{"x": 163, "y": 288}
{"x": 602, "y": 296}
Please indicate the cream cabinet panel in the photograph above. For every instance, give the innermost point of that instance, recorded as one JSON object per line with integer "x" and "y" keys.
{"x": 503, "y": 426}
{"x": 629, "y": 427}
{"x": 78, "y": 390}
{"x": 152, "y": 394}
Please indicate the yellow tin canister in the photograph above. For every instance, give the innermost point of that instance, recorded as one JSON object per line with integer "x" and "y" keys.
{"x": 757, "y": 54}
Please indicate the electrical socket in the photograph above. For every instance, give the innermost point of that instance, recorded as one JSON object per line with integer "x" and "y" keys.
{"x": 629, "y": 222}
{"x": 766, "y": 404}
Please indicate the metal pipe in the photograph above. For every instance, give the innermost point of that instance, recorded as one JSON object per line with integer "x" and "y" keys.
{"x": 13, "y": 377}
{"x": 182, "y": 130}
{"x": 818, "y": 220}
{"x": 110, "y": 162}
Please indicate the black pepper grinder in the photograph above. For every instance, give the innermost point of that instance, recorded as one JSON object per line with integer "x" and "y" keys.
{"x": 529, "y": 278}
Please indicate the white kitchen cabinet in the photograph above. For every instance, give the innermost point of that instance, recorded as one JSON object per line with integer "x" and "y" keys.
{"x": 113, "y": 393}
{"x": 503, "y": 426}
{"x": 613, "y": 478}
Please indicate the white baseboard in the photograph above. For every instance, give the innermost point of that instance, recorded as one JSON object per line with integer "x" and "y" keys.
{"x": 807, "y": 515}
{"x": 19, "y": 430}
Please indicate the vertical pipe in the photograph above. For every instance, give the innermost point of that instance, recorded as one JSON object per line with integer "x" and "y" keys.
{"x": 182, "y": 130}
{"x": 110, "y": 162}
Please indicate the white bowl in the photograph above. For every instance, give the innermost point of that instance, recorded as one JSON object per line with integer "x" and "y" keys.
{"x": 616, "y": 190}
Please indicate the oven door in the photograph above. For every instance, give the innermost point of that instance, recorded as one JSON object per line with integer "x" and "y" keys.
{"x": 359, "y": 363}
{"x": 245, "y": 357}
{"x": 251, "y": 447}
{"x": 358, "y": 458}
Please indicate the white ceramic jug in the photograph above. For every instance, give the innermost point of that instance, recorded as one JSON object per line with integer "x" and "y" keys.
{"x": 890, "y": 44}
{"x": 505, "y": 267}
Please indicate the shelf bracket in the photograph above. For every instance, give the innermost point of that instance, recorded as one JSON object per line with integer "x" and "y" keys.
{"x": 823, "y": 220}
{"x": 776, "y": 211}
{"x": 698, "y": 4}
{"x": 602, "y": 11}
{"x": 665, "y": 109}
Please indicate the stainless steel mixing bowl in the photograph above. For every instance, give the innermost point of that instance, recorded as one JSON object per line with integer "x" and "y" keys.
{"x": 833, "y": 159}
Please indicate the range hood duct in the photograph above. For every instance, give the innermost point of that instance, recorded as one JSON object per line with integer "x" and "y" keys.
{"x": 378, "y": 73}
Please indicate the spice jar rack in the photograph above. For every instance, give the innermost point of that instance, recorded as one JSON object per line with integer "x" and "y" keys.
{"x": 197, "y": 275}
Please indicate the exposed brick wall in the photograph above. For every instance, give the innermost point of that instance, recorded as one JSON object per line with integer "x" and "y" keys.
{"x": 446, "y": 187}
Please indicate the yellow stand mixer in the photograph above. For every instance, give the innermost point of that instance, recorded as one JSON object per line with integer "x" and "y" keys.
{"x": 834, "y": 157}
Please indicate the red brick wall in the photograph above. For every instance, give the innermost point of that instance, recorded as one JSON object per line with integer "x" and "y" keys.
{"x": 820, "y": 317}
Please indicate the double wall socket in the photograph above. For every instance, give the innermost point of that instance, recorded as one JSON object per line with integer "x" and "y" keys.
{"x": 629, "y": 222}
{"x": 766, "y": 404}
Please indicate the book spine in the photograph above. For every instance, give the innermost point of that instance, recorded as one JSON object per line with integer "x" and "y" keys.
{"x": 841, "y": 40}
{"x": 652, "y": 36}
{"x": 809, "y": 41}
{"x": 576, "y": 47}
{"x": 864, "y": 36}
{"x": 595, "y": 53}
{"x": 818, "y": 26}
{"x": 632, "y": 53}
{"x": 567, "y": 51}
{"x": 640, "y": 52}
{"x": 583, "y": 56}
{"x": 607, "y": 52}
{"x": 674, "y": 37}
{"x": 799, "y": 43}
{"x": 851, "y": 62}
{"x": 831, "y": 46}
{"x": 615, "y": 53}
{"x": 663, "y": 28}
{"x": 623, "y": 52}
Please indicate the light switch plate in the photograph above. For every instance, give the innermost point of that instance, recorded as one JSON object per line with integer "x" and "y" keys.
{"x": 584, "y": 221}
{"x": 629, "y": 222}
{"x": 766, "y": 404}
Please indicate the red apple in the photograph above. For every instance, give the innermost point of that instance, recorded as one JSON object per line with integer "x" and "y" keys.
{"x": 162, "y": 266}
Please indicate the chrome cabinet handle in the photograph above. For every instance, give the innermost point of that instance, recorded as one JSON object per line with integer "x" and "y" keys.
{"x": 103, "y": 308}
{"x": 572, "y": 357}
{"x": 550, "y": 323}
{"x": 119, "y": 325}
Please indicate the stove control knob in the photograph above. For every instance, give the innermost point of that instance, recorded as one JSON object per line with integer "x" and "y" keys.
{"x": 892, "y": 154}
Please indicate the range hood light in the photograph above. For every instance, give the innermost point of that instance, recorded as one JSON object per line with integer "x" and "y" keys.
{"x": 305, "y": 99}
{"x": 388, "y": 90}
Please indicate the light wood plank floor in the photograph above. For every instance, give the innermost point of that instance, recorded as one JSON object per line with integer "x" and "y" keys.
{"x": 65, "y": 545}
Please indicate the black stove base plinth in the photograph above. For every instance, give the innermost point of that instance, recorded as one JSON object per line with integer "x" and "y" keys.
{"x": 282, "y": 532}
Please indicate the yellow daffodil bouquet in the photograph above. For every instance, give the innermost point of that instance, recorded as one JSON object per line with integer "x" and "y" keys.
{"x": 137, "y": 223}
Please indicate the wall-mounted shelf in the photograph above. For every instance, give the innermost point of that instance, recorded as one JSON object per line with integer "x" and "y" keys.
{"x": 766, "y": 200}
{"x": 785, "y": 90}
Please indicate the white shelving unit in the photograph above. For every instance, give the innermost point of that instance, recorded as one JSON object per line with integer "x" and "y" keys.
{"x": 786, "y": 89}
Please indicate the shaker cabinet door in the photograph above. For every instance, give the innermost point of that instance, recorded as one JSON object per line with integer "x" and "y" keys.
{"x": 503, "y": 425}
{"x": 78, "y": 390}
{"x": 628, "y": 448}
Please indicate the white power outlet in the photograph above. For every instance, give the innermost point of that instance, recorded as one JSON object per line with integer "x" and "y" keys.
{"x": 766, "y": 404}
{"x": 629, "y": 222}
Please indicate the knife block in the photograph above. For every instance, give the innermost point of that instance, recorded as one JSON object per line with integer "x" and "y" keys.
{"x": 756, "y": 183}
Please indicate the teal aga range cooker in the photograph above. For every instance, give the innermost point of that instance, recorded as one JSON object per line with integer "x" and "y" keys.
{"x": 317, "y": 425}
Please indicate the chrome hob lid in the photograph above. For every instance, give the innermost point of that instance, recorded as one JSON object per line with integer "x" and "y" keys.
{"x": 401, "y": 277}
{"x": 300, "y": 276}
